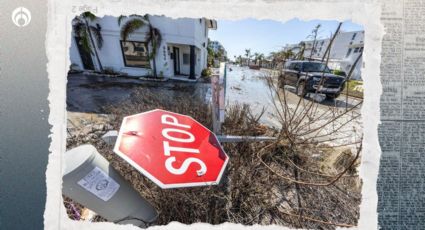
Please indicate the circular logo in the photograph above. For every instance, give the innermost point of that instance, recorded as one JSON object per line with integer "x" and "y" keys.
{"x": 21, "y": 17}
{"x": 102, "y": 184}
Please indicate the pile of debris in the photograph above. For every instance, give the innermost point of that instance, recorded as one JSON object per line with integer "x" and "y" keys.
{"x": 261, "y": 184}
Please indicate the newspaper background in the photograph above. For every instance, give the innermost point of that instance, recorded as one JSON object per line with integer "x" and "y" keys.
{"x": 400, "y": 184}
{"x": 401, "y": 198}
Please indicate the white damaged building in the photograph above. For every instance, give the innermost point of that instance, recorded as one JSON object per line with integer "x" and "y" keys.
{"x": 178, "y": 49}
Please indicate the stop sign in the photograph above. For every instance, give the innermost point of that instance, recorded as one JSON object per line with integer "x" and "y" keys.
{"x": 171, "y": 149}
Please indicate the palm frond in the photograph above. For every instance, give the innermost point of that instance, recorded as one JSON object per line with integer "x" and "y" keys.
{"x": 89, "y": 15}
{"x": 78, "y": 29}
{"x": 120, "y": 18}
{"x": 96, "y": 31}
{"x": 155, "y": 38}
{"x": 131, "y": 26}
{"x": 137, "y": 15}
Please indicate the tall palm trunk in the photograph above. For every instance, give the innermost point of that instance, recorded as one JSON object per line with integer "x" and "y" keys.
{"x": 92, "y": 43}
{"x": 153, "y": 47}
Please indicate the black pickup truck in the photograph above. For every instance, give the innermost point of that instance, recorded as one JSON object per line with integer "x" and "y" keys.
{"x": 306, "y": 77}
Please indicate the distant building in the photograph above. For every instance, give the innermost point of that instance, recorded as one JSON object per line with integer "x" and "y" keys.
{"x": 345, "y": 50}
{"x": 182, "y": 53}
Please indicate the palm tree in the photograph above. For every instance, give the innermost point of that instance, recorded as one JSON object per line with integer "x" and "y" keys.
{"x": 239, "y": 60}
{"x": 280, "y": 57}
{"x": 300, "y": 54}
{"x": 153, "y": 36}
{"x": 85, "y": 32}
{"x": 210, "y": 58}
{"x": 220, "y": 54}
{"x": 273, "y": 56}
{"x": 248, "y": 54}
{"x": 313, "y": 35}
{"x": 287, "y": 54}
{"x": 256, "y": 57}
{"x": 260, "y": 59}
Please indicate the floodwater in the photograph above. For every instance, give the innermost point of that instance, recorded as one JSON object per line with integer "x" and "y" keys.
{"x": 247, "y": 86}
{"x": 90, "y": 94}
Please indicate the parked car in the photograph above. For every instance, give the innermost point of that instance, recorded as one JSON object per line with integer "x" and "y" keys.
{"x": 311, "y": 77}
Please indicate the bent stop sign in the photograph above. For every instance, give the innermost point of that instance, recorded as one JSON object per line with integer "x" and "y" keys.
{"x": 171, "y": 149}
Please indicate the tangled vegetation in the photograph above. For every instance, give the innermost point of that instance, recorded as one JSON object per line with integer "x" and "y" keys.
{"x": 294, "y": 181}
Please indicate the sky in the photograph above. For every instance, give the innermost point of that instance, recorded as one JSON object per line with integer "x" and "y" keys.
{"x": 265, "y": 36}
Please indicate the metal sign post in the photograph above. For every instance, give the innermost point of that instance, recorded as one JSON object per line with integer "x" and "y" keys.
{"x": 111, "y": 136}
{"x": 218, "y": 88}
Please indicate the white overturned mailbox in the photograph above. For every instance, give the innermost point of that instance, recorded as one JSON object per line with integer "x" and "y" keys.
{"x": 91, "y": 181}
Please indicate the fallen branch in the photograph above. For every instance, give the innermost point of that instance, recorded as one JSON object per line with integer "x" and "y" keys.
{"x": 308, "y": 182}
{"x": 317, "y": 221}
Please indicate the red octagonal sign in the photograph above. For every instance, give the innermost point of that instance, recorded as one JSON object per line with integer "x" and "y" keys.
{"x": 171, "y": 149}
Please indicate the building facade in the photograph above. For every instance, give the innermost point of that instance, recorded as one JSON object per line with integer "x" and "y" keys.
{"x": 182, "y": 52}
{"x": 343, "y": 54}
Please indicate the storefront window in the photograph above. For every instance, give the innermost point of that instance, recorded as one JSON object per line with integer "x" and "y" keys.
{"x": 135, "y": 54}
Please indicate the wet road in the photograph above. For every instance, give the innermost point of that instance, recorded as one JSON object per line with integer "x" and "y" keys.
{"x": 89, "y": 93}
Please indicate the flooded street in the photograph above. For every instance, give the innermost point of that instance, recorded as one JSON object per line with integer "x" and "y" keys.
{"x": 249, "y": 86}
{"x": 90, "y": 94}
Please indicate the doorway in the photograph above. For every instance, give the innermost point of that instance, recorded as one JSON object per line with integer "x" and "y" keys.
{"x": 176, "y": 54}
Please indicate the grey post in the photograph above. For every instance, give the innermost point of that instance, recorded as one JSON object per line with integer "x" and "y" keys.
{"x": 111, "y": 136}
{"x": 89, "y": 180}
